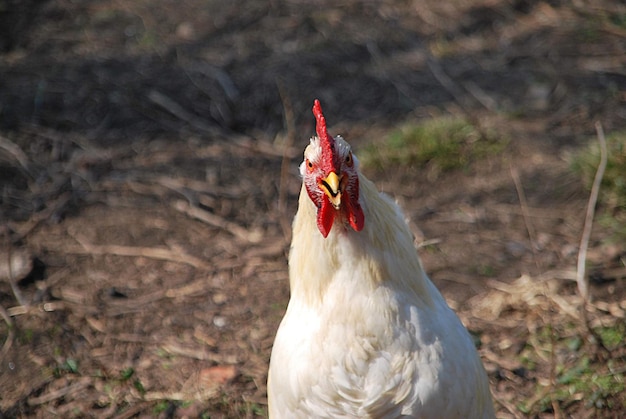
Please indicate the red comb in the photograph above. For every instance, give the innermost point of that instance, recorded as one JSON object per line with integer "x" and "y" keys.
{"x": 326, "y": 140}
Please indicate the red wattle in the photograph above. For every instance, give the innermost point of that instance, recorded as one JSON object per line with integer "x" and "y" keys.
{"x": 325, "y": 217}
{"x": 355, "y": 215}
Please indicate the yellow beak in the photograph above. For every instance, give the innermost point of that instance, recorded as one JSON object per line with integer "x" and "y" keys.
{"x": 330, "y": 185}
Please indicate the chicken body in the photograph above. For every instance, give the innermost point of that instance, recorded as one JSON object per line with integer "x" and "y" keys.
{"x": 366, "y": 334}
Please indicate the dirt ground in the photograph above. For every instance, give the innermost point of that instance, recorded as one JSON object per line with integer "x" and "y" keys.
{"x": 148, "y": 174}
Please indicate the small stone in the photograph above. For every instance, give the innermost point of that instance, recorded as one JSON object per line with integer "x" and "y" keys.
{"x": 219, "y": 321}
{"x": 220, "y": 298}
{"x": 15, "y": 264}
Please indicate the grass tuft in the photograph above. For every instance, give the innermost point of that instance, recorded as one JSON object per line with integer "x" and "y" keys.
{"x": 444, "y": 143}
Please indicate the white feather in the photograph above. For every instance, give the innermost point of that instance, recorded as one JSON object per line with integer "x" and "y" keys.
{"x": 366, "y": 333}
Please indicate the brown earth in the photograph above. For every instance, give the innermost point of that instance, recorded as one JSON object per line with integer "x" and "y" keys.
{"x": 148, "y": 170}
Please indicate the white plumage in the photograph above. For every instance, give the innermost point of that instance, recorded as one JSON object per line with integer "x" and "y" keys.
{"x": 366, "y": 333}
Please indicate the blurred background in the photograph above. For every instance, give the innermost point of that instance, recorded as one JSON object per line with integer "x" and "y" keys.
{"x": 148, "y": 178}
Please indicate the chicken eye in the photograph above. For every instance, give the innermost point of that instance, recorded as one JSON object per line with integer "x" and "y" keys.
{"x": 309, "y": 165}
{"x": 349, "y": 159}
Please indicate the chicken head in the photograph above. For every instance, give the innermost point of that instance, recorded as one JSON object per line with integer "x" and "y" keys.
{"x": 330, "y": 174}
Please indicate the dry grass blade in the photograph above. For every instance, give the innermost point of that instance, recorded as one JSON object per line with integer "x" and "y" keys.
{"x": 533, "y": 245}
{"x": 525, "y": 213}
{"x": 581, "y": 279}
{"x": 181, "y": 113}
{"x": 448, "y": 83}
{"x": 57, "y": 394}
{"x": 284, "y": 165}
{"x": 15, "y": 151}
{"x": 468, "y": 104}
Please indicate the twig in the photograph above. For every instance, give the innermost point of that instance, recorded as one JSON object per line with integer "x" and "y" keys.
{"x": 149, "y": 252}
{"x": 174, "y": 348}
{"x": 481, "y": 96}
{"x": 219, "y": 222}
{"x": 457, "y": 92}
{"x": 182, "y": 396}
{"x": 447, "y": 83}
{"x": 10, "y": 335}
{"x": 381, "y": 65}
{"x": 45, "y": 307}
{"x": 135, "y": 410}
{"x": 181, "y": 113}
{"x": 581, "y": 279}
{"x": 525, "y": 213}
{"x": 427, "y": 243}
{"x": 508, "y": 406}
{"x": 223, "y": 79}
{"x": 189, "y": 289}
{"x": 52, "y": 208}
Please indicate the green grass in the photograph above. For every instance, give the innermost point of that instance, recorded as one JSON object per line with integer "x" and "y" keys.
{"x": 599, "y": 386}
{"x": 618, "y": 20}
{"x": 24, "y": 336}
{"x": 69, "y": 366}
{"x": 581, "y": 375}
{"x": 444, "y": 143}
{"x": 161, "y": 406}
{"x": 612, "y": 337}
{"x": 127, "y": 373}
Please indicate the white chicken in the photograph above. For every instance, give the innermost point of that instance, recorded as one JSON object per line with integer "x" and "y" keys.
{"x": 366, "y": 334}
